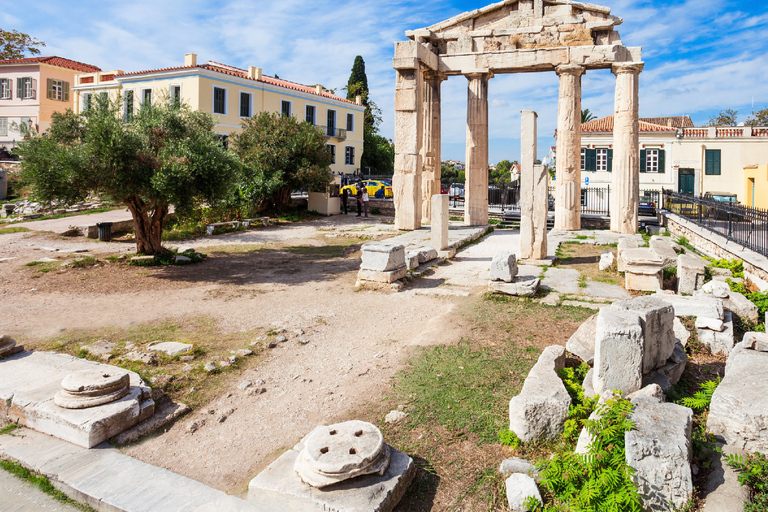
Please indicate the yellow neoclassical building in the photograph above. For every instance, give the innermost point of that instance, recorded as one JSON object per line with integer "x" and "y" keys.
{"x": 232, "y": 95}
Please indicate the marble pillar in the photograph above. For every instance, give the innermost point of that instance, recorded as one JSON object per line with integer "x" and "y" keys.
{"x": 430, "y": 150}
{"x": 439, "y": 225}
{"x": 625, "y": 178}
{"x": 476, "y": 186}
{"x": 406, "y": 182}
{"x": 568, "y": 172}
{"x": 533, "y": 193}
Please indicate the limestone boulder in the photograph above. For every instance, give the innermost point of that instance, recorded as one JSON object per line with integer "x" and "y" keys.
{"x": 717, "y": 289}
{"x": 642, "y": 256}
{"x": 172, "y": 348}
{"x": 659, "y": 449}
{"x": 520, "y": 487}
{"x": 427, "y": 254}
{"x": 541, "y": 408}
{"x": 624, "y": 244}
{"x": 719, "y": 342}
{"x": 681, "y": 333}
{"x": 582, "y": 342}
{"x": 657, "y": 320}
{"x": 662, "y": 248}
{"x": 618, "y": 351}
{"x": 741, "y": 306}
{"x": 643, "y": 278}
{"x": 690, "y": 273}
{"x": 705, "y": 306}
{"x": 517, "y": 465}
{"x": 606, "y": 260}
{"x": 382, "y": 256}
{"x": 103, "y": 349}
{"x": 739, "y": 409}
{"x": 412, "y": 260}
{"x": 651, "y": 390}
{"x": 756, "y": 341}
{"x": 524, "y": 286}
{"x": 504, "y": 267}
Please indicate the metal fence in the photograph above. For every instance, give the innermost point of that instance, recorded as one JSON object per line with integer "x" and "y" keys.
{"x": 741, "y": 224}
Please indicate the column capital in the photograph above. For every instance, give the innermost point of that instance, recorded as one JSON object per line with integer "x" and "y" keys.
{"x": 621, "y": 68}
{"x": 430, "y": 74}
{"x": 570, "y": 69}
{"x": 486, "y": 74}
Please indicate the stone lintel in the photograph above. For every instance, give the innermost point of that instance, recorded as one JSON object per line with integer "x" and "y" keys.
{"x": 410, "y": 54}
{"x": 619, "y": 68}
{"x": 541, "y": 59}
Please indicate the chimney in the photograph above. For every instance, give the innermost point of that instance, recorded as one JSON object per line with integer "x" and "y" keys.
{"x": 359, "y": 99}
{"x": 319, "y": 89}
{"x": 190, "y": 60}
{"x": 254, "y": 72}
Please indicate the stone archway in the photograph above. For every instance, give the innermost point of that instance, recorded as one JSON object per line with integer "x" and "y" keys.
{"x": 513, "y": 36}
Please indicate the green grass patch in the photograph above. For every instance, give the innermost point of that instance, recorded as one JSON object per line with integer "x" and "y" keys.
{"x": 43, "y": 267}
{"x": 41, "y": 482}
{"x": 83, "y": 262}
{"x": 15, "y": 229}
{"x": 9, "y": 428}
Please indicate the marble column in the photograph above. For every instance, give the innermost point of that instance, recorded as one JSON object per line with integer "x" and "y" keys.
{"x": 430, "y": 150}
{"x": 568, "y": 172}
{"x": 625, "y": 177}
{"x": 476, "y": 185}
{"x": 406, "y": 182}
{"x": 533, "y": 194}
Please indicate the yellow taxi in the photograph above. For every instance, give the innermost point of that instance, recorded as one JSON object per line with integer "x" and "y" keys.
{"x": 377, "y": 189}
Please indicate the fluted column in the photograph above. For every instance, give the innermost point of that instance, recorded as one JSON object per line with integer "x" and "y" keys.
{"x": 568, "y": 182}
{"x": 406, "y": 182}
{"x": 625, "y": 178}
{"x": 430, "y": 151}
{"x": 476, "y": 186}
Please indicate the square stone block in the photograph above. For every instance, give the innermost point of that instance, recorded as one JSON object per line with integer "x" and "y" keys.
{"x": 643, "y": 278}
{"x": 373, "y": 493}
{"x": 382, "y": 256}
{"x": 375, "y": 276}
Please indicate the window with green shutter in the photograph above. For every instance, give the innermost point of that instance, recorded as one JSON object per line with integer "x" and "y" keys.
{"x": 590, "y": 160}
{"x": 610, "y": 160}
{"x": 642, "y": 160}
{"x": 219, "y": 100}
{"x": 661, "y": 161}
{"x": 127, "y": 106}
{"x": 712, "y": 162}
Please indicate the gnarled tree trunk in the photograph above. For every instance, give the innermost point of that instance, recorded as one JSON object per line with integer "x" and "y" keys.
{"x": 147, "y": 228}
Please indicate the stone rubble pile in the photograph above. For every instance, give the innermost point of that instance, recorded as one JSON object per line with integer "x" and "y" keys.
{"x": 26, "y": 209}
{"x": 504, "y": 278}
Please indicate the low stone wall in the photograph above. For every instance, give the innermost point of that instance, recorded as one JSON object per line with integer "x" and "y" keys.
{"x": 123, "y": 226}
{"x": 717, "y": 246}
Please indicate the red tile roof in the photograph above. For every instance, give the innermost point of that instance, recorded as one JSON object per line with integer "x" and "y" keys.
{"x": 54, "y": 61}
{"x": 241, "y": 73}
{"x": 606, "y": 125}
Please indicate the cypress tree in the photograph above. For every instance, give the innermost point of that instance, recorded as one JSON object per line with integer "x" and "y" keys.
{"x": 358, "y": 81}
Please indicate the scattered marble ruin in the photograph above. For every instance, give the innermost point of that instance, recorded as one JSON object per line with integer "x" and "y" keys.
{"x": 92, "y": 387}
{"x": 512, "y": 36}
{"x": 8, "y": 346}
{"x": 504, "y": 277}
{"x": 534, "y": 194}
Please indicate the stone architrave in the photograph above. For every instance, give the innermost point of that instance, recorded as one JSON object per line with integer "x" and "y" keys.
{"x": 533, "y": 194}
{"x": 625, "y": 178}
{"x": 476, "y": 187}
{"x": 618, "y": 351}
{"x": 430, "y": 150}
{"x": 406, "y": 182}
{"x": 568, "y": 182}
{"x": 439, "y": 222}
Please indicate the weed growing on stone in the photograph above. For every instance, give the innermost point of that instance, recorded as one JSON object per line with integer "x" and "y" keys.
{"x": 9, "y": 428}
{"x": 41, "y": 482}
{"x": 682, "y": 241}
{"x": 753, "y": 472}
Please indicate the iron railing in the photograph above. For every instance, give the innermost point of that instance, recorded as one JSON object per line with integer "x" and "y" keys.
{"x": 742, "y": 224}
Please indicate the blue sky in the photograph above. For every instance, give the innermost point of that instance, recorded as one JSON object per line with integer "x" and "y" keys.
{"x": 701, "y": 56}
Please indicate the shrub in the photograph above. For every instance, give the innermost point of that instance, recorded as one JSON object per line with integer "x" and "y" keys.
{"x": 735, "y": 266}
{"x": 753, "y": 472}
{"x": 581, "y": 405}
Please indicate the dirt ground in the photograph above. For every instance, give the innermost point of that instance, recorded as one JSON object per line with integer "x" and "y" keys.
{"x": 254, "y": 281}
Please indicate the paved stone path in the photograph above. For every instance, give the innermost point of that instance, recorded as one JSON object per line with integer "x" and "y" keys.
{"x": 21, "y": 496}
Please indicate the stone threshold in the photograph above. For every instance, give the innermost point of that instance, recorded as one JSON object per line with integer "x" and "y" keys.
{"x": 110, "y": 481}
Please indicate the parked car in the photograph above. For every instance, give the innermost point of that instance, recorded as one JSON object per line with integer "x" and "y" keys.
{"x": 722, "y": 197}
{"x": 647, "y": 208}
{"x": 456, "y": 191}
{"x": 443, "y": 189}
{"x": 377, "y": 189}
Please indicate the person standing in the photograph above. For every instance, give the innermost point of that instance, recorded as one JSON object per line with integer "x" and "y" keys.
{"x": 359, "y": 197}
{"x": 344, "y": 197}
{"x": 366, "y": 198}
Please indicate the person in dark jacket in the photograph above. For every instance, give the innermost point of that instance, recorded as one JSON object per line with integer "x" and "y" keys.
{"x": 359, "y": 197}
{"x": 344, "y": 197}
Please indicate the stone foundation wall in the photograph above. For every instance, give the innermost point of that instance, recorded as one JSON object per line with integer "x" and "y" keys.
{"x": 717, "y": 246}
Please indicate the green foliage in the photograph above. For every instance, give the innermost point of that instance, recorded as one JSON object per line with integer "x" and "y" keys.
{"x": 449, "y": 174}
{"x": 9, "y": 428}
{"x": 41, "y": 482}
{"x": 759, "y": 299}
{"x": 581, "y": 405}
{"x": 502, "y": 172}
{"x": 509, "y": 438}
{"x": 600, "y": 480}
{"x": 14, "y": 44}
{"x": 279, "y": 154}
{"x": 753, "y": 472}
{"x": 685, "y": 243}
{"x": 736, "y": 266}
{"x": 15, "y": 229}
{"x": 724, "y": 118}
{"x": 759, "y": 118}
{"x": 378, "y": 153}
{"x": 669, "y": 273}
{"x": 701, "y": 399}
{"x": 587, "y": 116}
{"x": 358, "y": 80}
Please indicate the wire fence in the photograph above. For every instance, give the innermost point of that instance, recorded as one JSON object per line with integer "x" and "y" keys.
{"x": 742, "y": 224}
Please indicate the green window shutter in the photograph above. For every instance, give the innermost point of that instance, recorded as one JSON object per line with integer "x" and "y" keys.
{"x": 661, "y": 160}
{"x": 717, "y": 161}
{"x": 642, "y": 160}
{"x": 712, "y": 162}
{"x": 65, "y": 94}
{"x": 50, "y": 89}
{"x": 610, "y": 160}
{"x": 591, "y": 160}
{"x": 20, "y": 87}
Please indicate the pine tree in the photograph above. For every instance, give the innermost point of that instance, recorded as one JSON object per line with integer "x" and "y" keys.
{"x": 358, "y": 81}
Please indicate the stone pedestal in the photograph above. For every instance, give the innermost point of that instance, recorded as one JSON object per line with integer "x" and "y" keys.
{"x": 533, "y": 194}
{"x": 439, "y": 226}
{"x": 406, "y": 182}
{"x": 625, "y": 178}
{"x": 476, "y": 187}
{"x": 568, "y": 182}
{"x": 430, "y": 151}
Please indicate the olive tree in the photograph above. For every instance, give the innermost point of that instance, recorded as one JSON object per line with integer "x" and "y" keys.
{"x": 164, "y": 155}
{"x": 280, "y": 154}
